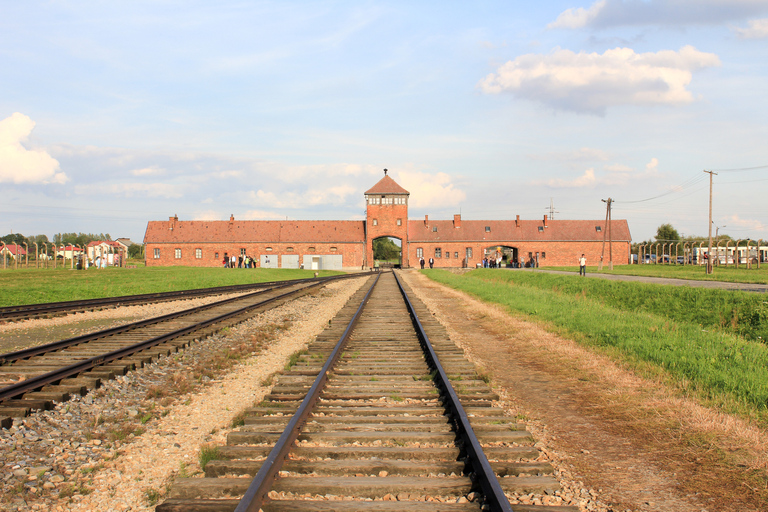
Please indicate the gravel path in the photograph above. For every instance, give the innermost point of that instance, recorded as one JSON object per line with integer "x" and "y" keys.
{"x": 120, "y": 447}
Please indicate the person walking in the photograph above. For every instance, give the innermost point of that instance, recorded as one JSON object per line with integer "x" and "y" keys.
{"x": 421, "y": 262}
{"x": 431, "y": 262}
{"x": 582, "y": 265}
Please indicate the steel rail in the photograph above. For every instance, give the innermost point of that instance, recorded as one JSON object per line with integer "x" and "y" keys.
{"x": 484, "y": 474}
{"x": 255, "y": 495}
{"x": 33, "y": 383}
{"x": 14, "y": 312}
{"x": 61, "y": 344}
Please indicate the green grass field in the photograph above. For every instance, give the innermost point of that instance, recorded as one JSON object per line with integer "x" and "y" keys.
{"x": 706, "y": 342}
{"x": 35, "y": 286}
{"x": 694, "y": 272}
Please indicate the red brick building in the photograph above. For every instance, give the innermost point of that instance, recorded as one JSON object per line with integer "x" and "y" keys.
{"x": 349, "y": 244}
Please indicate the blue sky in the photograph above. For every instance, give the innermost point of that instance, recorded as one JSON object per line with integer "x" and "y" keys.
{"x": 116, "y": 113}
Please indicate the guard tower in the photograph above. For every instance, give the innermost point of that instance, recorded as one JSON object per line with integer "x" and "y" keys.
{"x": 386, "y": 215}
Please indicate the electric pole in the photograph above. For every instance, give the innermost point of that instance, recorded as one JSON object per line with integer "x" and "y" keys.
{"x": 709, "y": 246}
{"x": 607, "y": 233}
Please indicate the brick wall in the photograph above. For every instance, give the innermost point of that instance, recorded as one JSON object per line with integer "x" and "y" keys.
{"x": 352, "y": 253}
{"x": 386, "y": 217}
{"x": 554, "y": 253}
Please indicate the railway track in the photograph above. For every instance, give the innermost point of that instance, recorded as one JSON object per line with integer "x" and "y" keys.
{"x": 48, "y": 310}
{"x": 35, "y": 378}
{"x": 382, "y": 413}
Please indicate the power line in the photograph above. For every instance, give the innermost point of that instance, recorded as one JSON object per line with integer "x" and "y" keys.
{"x": 742, "y": 169}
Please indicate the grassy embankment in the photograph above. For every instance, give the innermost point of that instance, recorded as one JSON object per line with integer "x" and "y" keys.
{"x": 693, "y": 272}
{"x": 707, "y": 342}
{"x": 35, "y": 286}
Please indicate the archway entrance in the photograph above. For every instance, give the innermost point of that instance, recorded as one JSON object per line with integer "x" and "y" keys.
{"x": 501, "y": 255}
{"x": 387, "y": 252}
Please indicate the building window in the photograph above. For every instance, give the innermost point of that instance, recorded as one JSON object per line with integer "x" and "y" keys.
{"x": 375, "y": 222}
{"x": 447, "y": 255}
{"x": 242, "y": 251}
{"x": 198, "y": 253}
{"x": 434, "y": 229}
{"x": 216, "y": 256}
{"x": 469, "y": 253}
{"x": 541, "y": 229}
{"x": 456, "y": 255}
{"x": 157, "y": 253}
{"x": 177, "y": 253}
{"x": 598, "y": 228}
{"x": 289, "y": 249}
{"x": 268, "y": 249}
{"x": 419, "y": 252}
{"x": 543, "y": 255}
{"x": 438, "y": 252}
{"x": 487, "y": 229}
{"x": 399, "y": 222}
{"x": 334, "y": 249}
{"x": 311, "y": 249}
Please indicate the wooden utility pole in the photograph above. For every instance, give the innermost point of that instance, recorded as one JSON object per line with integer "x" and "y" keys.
{"x": 709, "y": 246}
{"x": 607, "y": 233}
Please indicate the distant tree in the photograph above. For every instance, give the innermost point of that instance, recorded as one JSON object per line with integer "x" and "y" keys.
{"x": 14, "y": 238}
{"x": 385, "y": 249}
{"x": 666, "y": 233}
{"x": 79, "y": 238}
{"x": 135, "y": 251}
{"x": 40, "y": 239}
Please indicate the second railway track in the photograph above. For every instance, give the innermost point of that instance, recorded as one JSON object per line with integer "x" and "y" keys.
{"x": 385, "y": 432}
{"x": 35, "y": 378}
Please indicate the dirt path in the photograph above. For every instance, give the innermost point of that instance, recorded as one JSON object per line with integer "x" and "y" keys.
{"x": 630, "y": 440}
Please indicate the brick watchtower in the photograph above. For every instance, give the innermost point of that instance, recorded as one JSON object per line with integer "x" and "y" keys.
{"x": 386, "y": 215}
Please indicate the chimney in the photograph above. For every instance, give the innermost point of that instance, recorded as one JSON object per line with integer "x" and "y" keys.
{"x": 545, "y": 221}
{"x": 231, "y": 218}
{"x": 457, "y": 221}
{"x": 172, "y": 222}
{"x": 517, "y": 222}
{"x": 426, "y": 220}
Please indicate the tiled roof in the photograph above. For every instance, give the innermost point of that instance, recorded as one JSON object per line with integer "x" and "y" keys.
{"x": 267, "y": 231}
{"x": 104, "y": 242}
{"x": 15, "y": 249}
{"x": 387, "y": 185}
{"x": 506, "y": 230}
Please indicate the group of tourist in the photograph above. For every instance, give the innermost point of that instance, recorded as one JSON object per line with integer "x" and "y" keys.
{"x": 238, "y": 261}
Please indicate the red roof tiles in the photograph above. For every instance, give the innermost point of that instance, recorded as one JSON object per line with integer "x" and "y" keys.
{"x": 267, "y": 231}
{"x": 386, "y": 185}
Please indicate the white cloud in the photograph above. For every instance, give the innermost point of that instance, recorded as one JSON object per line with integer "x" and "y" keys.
{"x": 302, "y": 173}
{"x": 758, "y": 29}
{"x": 147, "y": 171}
{"x": 585, "y": 180}
{"x": 578, "y": 17}
{"x": 208, "y": 215}
{"x": 751, "y": 224}
{"x": 334, "y": 195}
{"x": 612, "y": 13}
{"x": 262, "y": 215}
{"x": 615, "y": 174}
{"x": 592, "y": 82}
{"x": 430, "y": 190}
{"x": 166, "y": 190}
{"x": 579, "y": 155}
{"x": 19, "y": 164}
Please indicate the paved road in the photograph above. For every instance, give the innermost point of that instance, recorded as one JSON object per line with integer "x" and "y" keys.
{"x": 676, "y": 282}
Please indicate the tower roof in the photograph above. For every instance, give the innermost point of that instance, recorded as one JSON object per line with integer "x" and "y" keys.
{"x": 387, "y": 185}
